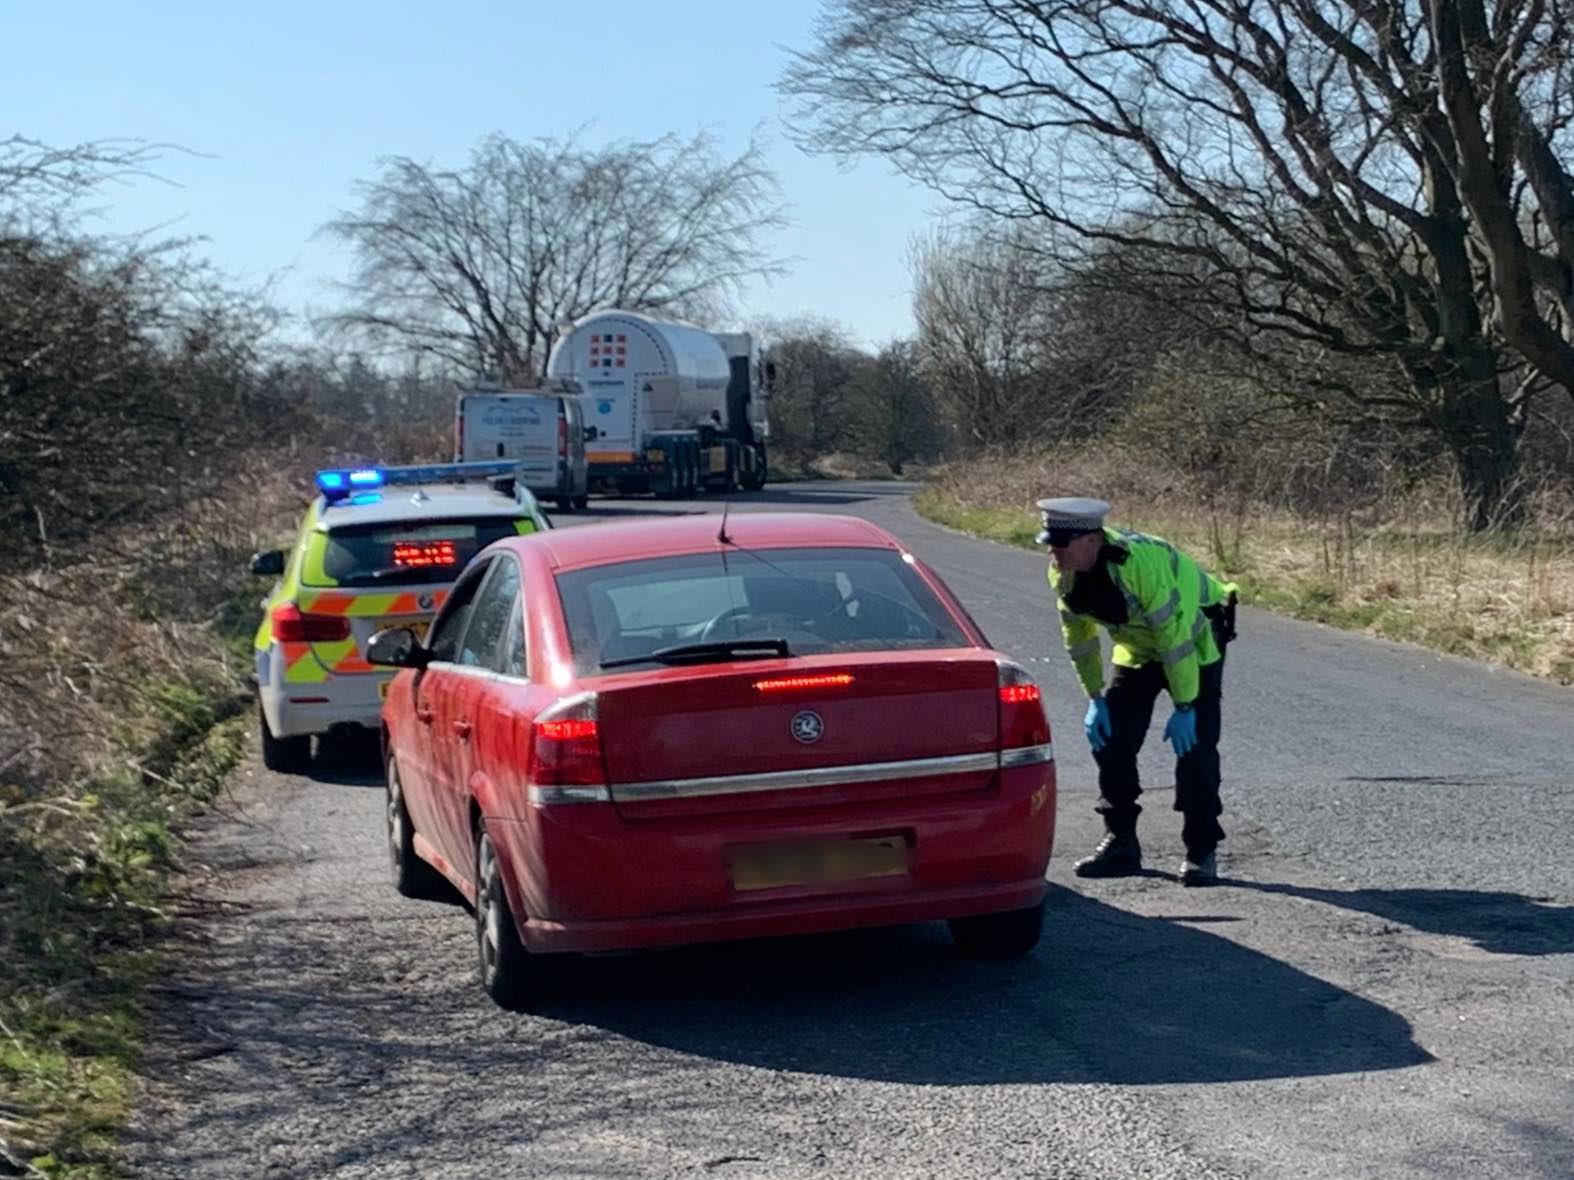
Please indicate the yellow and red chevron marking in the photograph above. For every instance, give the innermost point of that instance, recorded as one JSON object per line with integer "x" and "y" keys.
{"x": 371, "y": 604}
{"x": 301, "y": 666}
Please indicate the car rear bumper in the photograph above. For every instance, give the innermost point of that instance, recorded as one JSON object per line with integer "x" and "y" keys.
{"x": 595, "y": 876}
{"x": 293, "y": 717}
{"x": 815, "y": 915}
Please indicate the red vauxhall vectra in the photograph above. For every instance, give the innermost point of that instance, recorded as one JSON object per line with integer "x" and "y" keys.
{"x": 691, "y": 729}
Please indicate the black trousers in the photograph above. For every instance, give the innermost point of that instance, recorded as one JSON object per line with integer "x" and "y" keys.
{"x": 1131, "y": 696}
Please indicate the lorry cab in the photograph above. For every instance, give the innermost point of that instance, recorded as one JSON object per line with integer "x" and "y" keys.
{"x": 542, "y": 430}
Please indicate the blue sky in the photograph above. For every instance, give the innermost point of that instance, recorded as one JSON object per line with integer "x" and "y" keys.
{"x": 289, "y": 104}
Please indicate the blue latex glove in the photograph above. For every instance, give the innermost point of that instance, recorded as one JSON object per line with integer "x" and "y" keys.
{"x": 1181, "y": 732}
{"x": 1096, "y": 724}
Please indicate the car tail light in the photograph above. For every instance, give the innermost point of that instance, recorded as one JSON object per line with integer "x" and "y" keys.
{"x": 565, "y": 752}
{"x": 1021, "y": 710}
{"x": 562, "y": 436}
{"x": 789, "y": 683}
{"x": 291, "y": 626}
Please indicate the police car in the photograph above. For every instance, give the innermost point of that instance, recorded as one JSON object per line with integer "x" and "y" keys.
{"x": 379, "y": 547}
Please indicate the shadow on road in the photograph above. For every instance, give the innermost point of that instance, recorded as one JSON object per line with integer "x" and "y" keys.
{"x": 1502, "y": 923}
{"x": 350, "y": 760}
{"x": 1109, "y": 997}
{"x": 323, "y": 1039}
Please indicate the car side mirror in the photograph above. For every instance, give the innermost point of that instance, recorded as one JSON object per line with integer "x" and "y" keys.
{"x": 396, "y": 647}
{"x": 268, "y": 564}
{"x": 591, "y": 434}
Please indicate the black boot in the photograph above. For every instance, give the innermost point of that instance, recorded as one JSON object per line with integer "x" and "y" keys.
{"x": 1118, "y": 855}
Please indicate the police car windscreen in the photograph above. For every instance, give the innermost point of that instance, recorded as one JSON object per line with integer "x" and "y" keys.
{"x": 402, "y": 554}
{"x": 815, "y": 600}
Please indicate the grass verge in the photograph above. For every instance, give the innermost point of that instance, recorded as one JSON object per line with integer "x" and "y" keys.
{"x": 1504, "y": 600}
{"x": 124, "y": 705}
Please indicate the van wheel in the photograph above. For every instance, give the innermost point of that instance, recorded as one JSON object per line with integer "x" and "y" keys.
{"x": 1008, "y": 935}
{"x": 581, "y": 502}
{"x": 565, "y": 503}
{"x": 412, "y": 876}
{"x": 510, "y": 974}
{"x": 291, "y": 755}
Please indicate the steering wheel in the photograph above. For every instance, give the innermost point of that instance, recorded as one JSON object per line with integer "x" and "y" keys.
{"x": 708, "y": 634}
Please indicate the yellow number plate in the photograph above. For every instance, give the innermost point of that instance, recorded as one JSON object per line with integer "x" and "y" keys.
{"x": 382, "y": 689}
{"x": 718, "y": 460}
{"x": 773, "y": 866}
{"x": 655, "y": 456}
{"x": 420, "y": 629}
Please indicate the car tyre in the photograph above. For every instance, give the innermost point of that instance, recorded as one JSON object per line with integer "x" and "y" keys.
{"x": 412, "y": 876}
{"x": 1008, "y": 935}
{"x": 510, "y": 974}
{"x": 291, "y": 755}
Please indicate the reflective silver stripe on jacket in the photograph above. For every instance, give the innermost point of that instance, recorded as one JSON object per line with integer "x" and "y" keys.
{"x": 1163, "y": 615}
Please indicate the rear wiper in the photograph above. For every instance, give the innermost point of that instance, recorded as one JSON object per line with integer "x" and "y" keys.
{"x": 705, "y": 653}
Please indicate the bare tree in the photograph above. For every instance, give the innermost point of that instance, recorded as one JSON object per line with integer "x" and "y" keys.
{"x": 1017, "y": 346}
{"x": 42, "y": 187}
{"x": 899, "y": 419}
{"x": 1381, "y": 180}
{"x": 480, "y": 266}
{"x": 817, "y": 375}
{"x": 975, "y": 301}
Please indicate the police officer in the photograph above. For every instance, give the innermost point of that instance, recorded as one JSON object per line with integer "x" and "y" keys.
{"x": 1170, "y": 622}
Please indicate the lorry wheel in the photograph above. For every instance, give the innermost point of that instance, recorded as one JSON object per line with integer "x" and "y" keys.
{"x": 754, "y": 478}
{"x": 565, "y": 503}
{"x": 581, "y": 502}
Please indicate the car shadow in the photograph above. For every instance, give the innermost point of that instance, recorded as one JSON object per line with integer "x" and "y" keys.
{"x": 1501, "y": 923}
{"x": 1108, "y": 997}
{"x": 349, "y": 760}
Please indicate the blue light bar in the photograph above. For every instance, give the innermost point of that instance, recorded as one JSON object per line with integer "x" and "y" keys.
{"x": 450, "y": 472}
{"x": 336, "y": 484}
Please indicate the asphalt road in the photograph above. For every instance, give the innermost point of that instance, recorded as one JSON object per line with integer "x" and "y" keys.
{"x": 1382, "y": 987}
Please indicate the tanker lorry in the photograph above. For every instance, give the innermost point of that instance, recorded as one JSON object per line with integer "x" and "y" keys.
{"x": 675, "y": 408}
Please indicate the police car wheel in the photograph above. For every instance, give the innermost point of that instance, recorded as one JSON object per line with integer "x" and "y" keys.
{"x": 290, "y": 755}
{"x": 1008, "y": 935}
{"x": 412, "y": 876}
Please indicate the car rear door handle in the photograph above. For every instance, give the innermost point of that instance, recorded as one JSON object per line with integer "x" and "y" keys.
{"x": 424, "y": 716}
{"x": 462, "y": 728}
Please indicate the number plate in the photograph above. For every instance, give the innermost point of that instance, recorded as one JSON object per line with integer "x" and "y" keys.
{"x": 382, "y": 689}
{"x": 420, "y": 629}
{"x": 655, "y": 456}
{"x": 774, "y": 866}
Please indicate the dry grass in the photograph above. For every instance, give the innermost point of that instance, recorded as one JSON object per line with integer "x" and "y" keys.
{"x": 1409, "y": 574}
{"x": 123, "y": 704}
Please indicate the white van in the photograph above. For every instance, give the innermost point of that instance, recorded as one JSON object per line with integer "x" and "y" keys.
{"x": 542, "y": 430}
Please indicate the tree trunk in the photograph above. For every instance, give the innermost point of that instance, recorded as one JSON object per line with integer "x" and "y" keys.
{"x": 1485, "y": 447}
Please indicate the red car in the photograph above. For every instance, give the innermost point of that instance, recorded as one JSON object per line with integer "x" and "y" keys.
{"x": 690, "y": 729}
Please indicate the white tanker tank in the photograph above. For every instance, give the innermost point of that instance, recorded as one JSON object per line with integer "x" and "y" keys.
{"x": 656, "y": 393}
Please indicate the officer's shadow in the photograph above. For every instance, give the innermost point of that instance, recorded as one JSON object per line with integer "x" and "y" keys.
{"x": 1108, "y": 996}
{"x": 1499, "y": 923}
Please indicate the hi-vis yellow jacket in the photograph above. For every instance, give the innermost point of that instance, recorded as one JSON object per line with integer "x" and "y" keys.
{"x": 1165, "y": 591}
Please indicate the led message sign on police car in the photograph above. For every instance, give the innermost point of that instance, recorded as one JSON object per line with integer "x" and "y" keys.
{"x": 424, "y": 554}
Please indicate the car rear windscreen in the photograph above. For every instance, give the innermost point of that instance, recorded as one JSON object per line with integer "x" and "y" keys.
{"x": 405, "y": 554}
{"x": 818, "y": 600}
